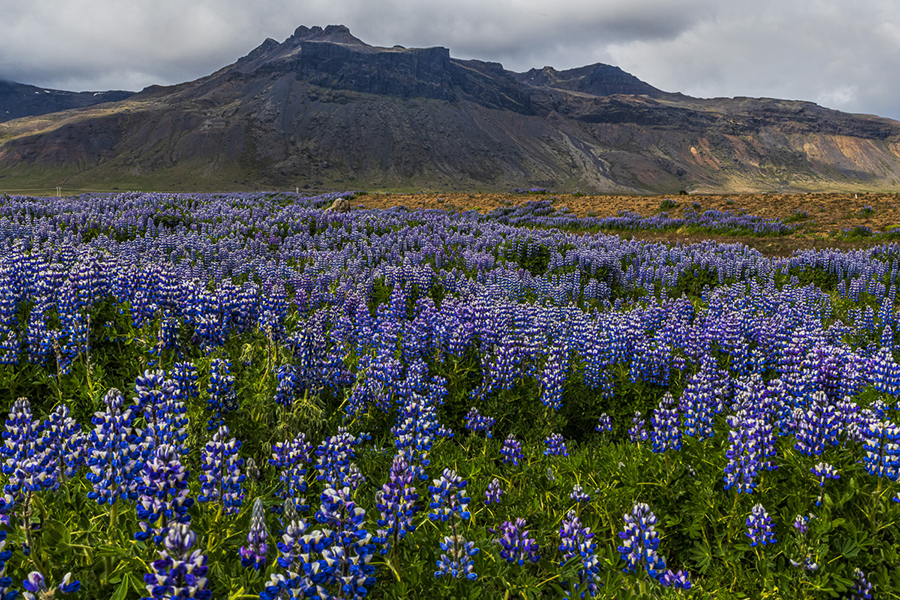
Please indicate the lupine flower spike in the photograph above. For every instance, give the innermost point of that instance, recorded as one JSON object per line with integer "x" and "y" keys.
{"x": 36, "y": 586}
{"x": 640, "y": 542}
{"x": 254, "y": 553}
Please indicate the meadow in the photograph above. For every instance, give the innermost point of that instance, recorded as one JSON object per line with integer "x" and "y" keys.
{"x": 250, "y": 396}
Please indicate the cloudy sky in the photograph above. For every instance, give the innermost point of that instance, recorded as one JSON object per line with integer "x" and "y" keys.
{"x": 843, "y": 54}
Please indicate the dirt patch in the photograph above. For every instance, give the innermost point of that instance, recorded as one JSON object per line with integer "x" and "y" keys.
{"x": 826, "y": 213}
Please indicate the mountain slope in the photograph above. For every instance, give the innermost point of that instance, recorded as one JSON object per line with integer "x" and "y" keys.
{"x": 325, "y": 110}
{"x": 19, "y": 100}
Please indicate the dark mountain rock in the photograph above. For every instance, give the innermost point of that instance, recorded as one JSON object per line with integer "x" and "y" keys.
{"x": 325, "y": 110}
{"x": 597, "y": 80}
{"x": 19, "y": 100}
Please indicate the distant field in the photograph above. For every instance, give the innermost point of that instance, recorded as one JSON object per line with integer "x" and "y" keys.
{"x": 827, "y": 214}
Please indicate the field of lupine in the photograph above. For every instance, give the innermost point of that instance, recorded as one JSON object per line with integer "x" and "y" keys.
{"x": 248, "y": 396}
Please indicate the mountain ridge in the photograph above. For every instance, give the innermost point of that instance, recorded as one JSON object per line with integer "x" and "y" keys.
{"x": 325, "y": 110}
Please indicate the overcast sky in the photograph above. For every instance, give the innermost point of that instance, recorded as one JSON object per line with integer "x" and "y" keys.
{"x": 843, "y": 54}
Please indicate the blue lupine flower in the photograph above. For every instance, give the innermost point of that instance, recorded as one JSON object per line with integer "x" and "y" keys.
{"x": 862, "y": 589}
{"x": 516, "y": 546}
{"x": 556, "y": 445}
{"x": 493, "y": 492}
{"x": 512, "y": 450}
{"x": 743, "y": 454}
{"x": 554, "y": 375}
{"x": 604, "y": 424}
{"x": 222, "y": 397}
{"x": 346, "y": 556}
{"x": 448, "y": 498}
{"x": 185, "y": 376}
{"x": 36, "y": 586}
{"x": 576, "y": 540}
{"x": 637, "y": 432}
{"x": 287, "y": 381}
{"x": 27, "y": 464}
{"x": 679, "y": 580}
{"x": 476, "y": 422}
{"x": 759, "y": 527}
{"x": 290, "y": 458}
{"x": 579, "y": 495}
{"x": 666, "y": 434}
{"x": 333, "y": 464}
{"x": 881, "y": 441}
{"x": 221, "y": 478}
{"x": 164, "y": 499}
{"x": 819, "y": 425}
{"x": 254, "y": 554}
{"x": 179, "y": 572}
{"x": 114, "y": 453}
{"x": 823, "y": 471}
{"x": 457, "y": 561}
{"x": 801, "y": 524}
{"x": 65, "y": 445}
{"x": 640, "y": 542}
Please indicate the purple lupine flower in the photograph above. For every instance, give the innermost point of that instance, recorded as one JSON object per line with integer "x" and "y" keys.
{"x": 516, "y": 546}
{"x": 640, "y": 542}
{"x": 604, "y": 424}
{"x": 178, "y": 572}
{"x": 556, "y": 445}
{"x": 512, "y": 450}
{"x": 396, "y": 502}
{"x": 221, "y": 478}
{"x": 679, "y": 580}
{"x": 493, "y": 492}
{"x": 476, "y": 422}
{"x": 457, "y": 561}
{"x": 36, "y": 586}
{"x": 759, "y": 527}
{"x": 254, "y": 554}
{"x": 637, "y": 432}
{"x": 862, "y": 589}
{"x": 164, "y": 499}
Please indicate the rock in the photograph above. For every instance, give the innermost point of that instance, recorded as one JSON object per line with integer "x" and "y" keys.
{"x": 340, "y": 205}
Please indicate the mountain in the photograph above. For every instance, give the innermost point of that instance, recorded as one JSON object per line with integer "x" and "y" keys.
{"x": 324, "y": 110}
{"x": 20, "y": 100}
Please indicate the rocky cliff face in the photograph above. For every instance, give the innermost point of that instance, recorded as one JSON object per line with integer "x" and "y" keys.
{"x": 325, "y": 110}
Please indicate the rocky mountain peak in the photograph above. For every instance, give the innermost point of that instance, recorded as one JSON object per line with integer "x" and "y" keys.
{"x": 336, "y": 34}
